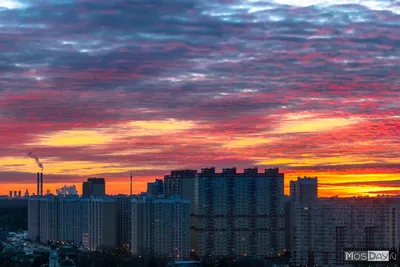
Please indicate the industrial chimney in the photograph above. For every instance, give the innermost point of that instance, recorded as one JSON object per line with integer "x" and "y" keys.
{"x": 38, "y": 184}
{"x": 41, "y": 183}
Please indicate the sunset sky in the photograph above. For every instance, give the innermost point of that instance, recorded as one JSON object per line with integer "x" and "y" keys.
{"x": 94, "y": 87}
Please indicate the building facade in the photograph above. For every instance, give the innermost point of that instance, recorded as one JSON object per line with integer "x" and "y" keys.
{"x": 57, "y": 218}
{"x": 49, "y": 219}
{"x": 239, "y": 213}
{"x": 102, "y": 227}
{"x": 34, "y": 218}
{"x": 303, "y": 193}
{"x": 160, "y": 227}
{"x": 123, "y": 213}
{"x": 73, "y": 219}
{"x": 182, "y": 183}
{"x": 325, "y": 229}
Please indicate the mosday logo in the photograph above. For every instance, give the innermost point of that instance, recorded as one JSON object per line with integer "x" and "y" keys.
{"x": 370, "y": 255}
{"x": 378, "y": 255}
{"x": 356, "y": 255}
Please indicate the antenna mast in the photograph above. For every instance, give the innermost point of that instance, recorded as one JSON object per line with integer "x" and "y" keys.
{"x": 131, "y": 183}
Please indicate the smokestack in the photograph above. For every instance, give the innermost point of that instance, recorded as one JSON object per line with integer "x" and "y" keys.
{"x": 38, "y": 184}
{"x": 41, "y": 183}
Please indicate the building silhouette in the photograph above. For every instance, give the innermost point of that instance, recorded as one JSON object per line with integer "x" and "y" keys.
{"x": 304, "y": 190}
{"x": 303, "y": 193}
{"x": 155, "y": 188}
{"x": 180, "y": 183}
{"x": 94, "y": 187}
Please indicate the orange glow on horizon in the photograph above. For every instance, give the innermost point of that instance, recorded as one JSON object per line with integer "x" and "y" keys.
{"x": 330, "y": 184}
{"x": 163, "y": 145}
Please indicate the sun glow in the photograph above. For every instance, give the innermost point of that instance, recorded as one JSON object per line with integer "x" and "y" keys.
{"x": 314, "y": 125}
{"x": 74, "y": 138}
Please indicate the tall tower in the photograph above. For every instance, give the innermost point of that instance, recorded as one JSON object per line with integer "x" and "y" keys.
{"x": 130, "y": 192}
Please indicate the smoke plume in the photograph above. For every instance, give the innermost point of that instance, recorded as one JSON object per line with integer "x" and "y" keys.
{"x": 67, "y": 190}
{"x": 30, "y": 154}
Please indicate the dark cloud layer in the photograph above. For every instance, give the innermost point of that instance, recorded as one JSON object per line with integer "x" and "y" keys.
{"x": 238, "y": 71}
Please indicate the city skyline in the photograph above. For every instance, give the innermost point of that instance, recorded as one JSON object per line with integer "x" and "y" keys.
{"x": 96, "y": 89}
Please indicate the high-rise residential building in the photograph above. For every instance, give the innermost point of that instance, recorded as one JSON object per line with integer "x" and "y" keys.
{"x": 304, "y": 190}
{"x": 94, "y": 187}
{"x": 288, "y": 223}
{"x": 155, "y": 188}
{"x": 326, "y": 228}
{"x": 180, "y": 183}
{"x": 57, "y": 218}
{"x": 160, "y": 227}
{"x": 239, "y": 213}
{"x": 73, "y": 218}
{"x": 123, "y": 213}
{"x": 102, "y": 225}
{"x": 49, "y": 219}
{"x": 34, "y": 218}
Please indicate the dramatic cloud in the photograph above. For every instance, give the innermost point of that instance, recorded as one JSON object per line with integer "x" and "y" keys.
{"x": 95, "y": 87}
